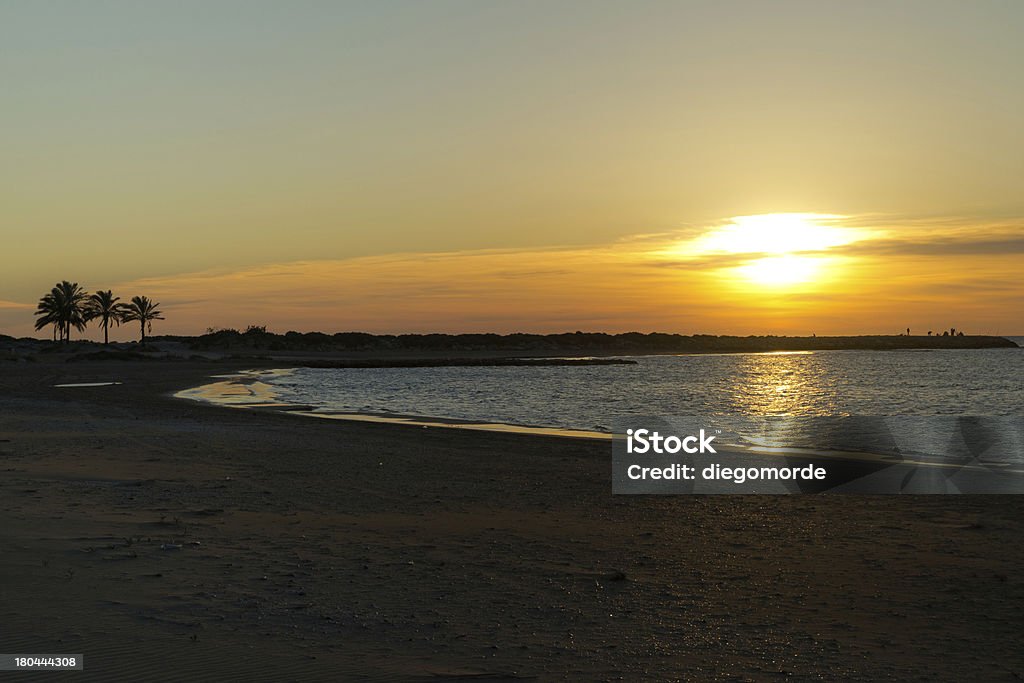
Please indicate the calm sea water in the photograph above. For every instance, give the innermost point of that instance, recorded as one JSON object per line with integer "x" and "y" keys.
{"x": 836, "y": 383}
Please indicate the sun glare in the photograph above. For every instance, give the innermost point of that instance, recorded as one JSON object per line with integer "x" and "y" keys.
{"x": 776, "y": 233}
{"x": 776, "y": 250}
{"x": 776, "y": 271}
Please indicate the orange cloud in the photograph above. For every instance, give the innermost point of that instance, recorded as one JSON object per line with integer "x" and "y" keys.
{"x": 499, "y": 291}
{"x": 931, "y": 276}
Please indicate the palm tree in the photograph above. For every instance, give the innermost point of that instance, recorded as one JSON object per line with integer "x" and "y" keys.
{"x": 64, "y": 307}
{"x": 74, "y": 303}
{"x": 143, "y": 310}
{"x": 105, "y": 307}
{"x": 48, "y": 311}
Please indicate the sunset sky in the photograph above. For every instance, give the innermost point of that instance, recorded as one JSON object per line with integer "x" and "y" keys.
{"x": 695, "y": 167}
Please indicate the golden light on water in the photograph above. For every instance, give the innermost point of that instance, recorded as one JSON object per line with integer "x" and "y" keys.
{"x": 784, "y": 384}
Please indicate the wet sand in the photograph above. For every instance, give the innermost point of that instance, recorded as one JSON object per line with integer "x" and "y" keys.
{"x": 163, "y": 538}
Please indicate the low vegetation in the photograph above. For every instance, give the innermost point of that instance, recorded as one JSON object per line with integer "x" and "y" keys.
{"x": 589, "y": 343}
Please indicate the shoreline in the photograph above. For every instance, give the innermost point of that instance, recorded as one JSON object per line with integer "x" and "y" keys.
{"x": 294, "y": 553}
{"x": 223, "y": 394}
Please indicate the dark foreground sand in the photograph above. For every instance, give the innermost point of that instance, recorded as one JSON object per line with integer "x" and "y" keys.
{"x": 322, "y": 550}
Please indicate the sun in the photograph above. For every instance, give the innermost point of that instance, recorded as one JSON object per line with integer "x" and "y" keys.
{"x": 777, "y": 250}
{"x": 773, "y": 251}
{"x": 776, "y": 233}
{"x": 781, "y": 271}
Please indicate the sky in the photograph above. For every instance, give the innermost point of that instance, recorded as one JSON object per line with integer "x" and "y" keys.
{"x": 518, "y": 166}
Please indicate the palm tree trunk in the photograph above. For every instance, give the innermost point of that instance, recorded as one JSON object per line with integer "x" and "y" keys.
{"x": 142, "y": 325}
{"x": 106, "y": 337}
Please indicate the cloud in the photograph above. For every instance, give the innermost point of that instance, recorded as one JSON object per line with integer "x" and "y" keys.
{"x": 890, "y": 275}
{"x": 704, "y": 261}
{"x": 941, "y": 245}
{"x": 489, "y": 290}
{"x": 742, "y": 238}
{"x": 16, "y": 318}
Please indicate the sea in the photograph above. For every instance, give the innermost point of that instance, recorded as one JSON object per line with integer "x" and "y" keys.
{"x": 811, "y": 389}
{"x": 590, "y": 397}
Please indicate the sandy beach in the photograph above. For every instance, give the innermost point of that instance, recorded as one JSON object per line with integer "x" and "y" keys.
{"x": 163, "y": 538}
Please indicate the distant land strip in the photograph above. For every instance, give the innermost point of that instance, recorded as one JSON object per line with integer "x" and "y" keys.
{"x": 576, "y": 343}
{"x": 357, "y": 349}
{"x": 451, "y": 362}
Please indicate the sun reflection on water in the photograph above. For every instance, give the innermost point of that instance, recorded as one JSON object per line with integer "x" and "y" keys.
{"x": 784, "y": 384}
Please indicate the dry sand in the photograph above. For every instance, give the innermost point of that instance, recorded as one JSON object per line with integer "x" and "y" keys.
{"x": 328, "y": 550}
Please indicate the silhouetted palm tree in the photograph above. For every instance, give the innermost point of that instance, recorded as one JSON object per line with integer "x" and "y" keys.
{"x": 143, "y": 310}
{"x": 64, "y": 307}
{"x": 48, "y": 312}
{"x": 104, "y": 306}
